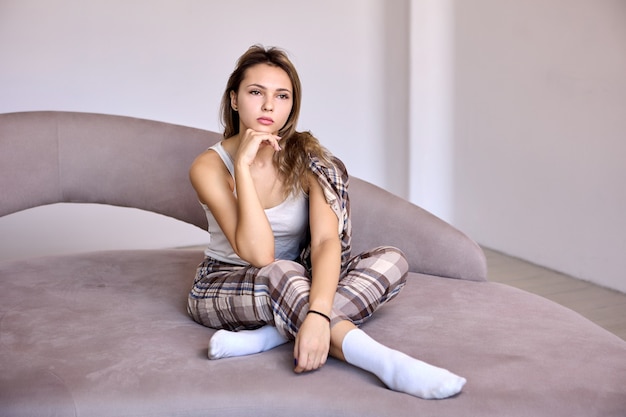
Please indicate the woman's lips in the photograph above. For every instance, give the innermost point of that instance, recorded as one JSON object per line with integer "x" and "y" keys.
{"x": 265, "y": 121}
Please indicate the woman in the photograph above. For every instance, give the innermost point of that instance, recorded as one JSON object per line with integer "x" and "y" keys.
{"x": 278, "y": 266}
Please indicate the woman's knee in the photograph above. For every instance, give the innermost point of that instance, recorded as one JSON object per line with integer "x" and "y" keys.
{"x": 392, "y": 260}
{"x": 284, "y": 275}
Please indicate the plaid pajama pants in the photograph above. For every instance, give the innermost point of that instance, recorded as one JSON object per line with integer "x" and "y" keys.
{"x": 232, "y": 297}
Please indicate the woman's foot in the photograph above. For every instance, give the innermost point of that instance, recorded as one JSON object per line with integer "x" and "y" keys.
{"x": 226, "y": 344}
{"x": 398, "y": 371}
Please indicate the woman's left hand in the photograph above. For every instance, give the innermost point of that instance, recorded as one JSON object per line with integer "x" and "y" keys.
{"x": 312, "y": 344}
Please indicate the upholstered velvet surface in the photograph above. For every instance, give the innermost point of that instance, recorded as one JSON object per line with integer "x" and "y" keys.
{"x": 51, "y": 157}
{"x": 107, "y": 334}
{"x": 431, "y": 245}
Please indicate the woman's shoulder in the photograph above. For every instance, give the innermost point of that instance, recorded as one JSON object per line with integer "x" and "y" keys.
{"x": 206, "y": 158}
{"x": 338, "y": 163}
{"x": 328, "y": 161}
{"x": 210, "y": 177}
{"x": 208, "y": 162}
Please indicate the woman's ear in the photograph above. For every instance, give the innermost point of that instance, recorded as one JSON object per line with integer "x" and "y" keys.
{"x": 233, "y": 100}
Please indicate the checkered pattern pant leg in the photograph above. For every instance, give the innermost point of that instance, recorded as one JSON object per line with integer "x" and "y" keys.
{"x": 234, "y": 297}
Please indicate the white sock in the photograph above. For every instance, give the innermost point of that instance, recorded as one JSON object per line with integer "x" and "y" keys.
{"x": 226, "y": 344}
{"x": 398, "y": 371}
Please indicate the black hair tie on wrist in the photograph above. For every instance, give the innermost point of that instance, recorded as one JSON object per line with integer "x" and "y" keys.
{"x": 319, "y": 314}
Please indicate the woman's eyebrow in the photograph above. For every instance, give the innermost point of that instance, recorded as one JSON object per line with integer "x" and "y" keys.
{"x": 262, "y": 87}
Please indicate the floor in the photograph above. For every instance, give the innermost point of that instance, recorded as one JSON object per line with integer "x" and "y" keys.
{"x": 605, "y": 307}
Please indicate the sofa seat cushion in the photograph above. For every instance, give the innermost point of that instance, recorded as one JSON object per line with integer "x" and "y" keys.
{"x": 107, "y": 334}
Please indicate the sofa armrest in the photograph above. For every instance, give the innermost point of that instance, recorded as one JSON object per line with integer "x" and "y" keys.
{"x": 431, "y": 245}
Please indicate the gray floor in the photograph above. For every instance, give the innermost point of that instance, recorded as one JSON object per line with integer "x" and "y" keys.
{"x": 603, "y": 306}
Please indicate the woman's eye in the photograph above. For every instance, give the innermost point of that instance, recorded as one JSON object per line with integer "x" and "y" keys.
{"x": 283, "y": 96}
{"x": 255, "y": 92}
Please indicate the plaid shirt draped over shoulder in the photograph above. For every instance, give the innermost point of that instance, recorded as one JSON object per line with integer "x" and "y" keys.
{"x": 334, "y": 180}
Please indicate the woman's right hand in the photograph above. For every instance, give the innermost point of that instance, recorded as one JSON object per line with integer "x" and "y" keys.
{"x": 252, "y": 237}
{"x": 250, "y": 143}
{"x": 312, "y": 344}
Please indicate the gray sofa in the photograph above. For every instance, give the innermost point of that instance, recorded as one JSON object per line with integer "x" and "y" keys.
{"x": 107, "y": 334}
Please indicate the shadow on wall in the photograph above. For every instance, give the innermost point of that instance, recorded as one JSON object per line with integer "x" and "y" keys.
{"x": 396, "y": 68}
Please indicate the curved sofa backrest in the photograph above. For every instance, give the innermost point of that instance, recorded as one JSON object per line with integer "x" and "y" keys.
{"x": 65, "y": 157}
{"x": 57, "y": 157}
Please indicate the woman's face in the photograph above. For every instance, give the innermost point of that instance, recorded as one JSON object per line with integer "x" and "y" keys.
{"x": 264, "y": 99}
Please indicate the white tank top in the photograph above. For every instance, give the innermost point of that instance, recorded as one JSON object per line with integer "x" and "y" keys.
{"x": 289, "y": 221}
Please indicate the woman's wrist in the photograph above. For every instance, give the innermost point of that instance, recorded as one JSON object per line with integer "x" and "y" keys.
{"x": 319, "y": 313}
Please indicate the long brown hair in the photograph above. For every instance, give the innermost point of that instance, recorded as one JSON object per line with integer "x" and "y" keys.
{"x": 293, "y": 161}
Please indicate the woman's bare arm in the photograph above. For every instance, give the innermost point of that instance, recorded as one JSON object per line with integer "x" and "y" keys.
{"x": 313, "y": 339}
{"x": 241, "y": 218}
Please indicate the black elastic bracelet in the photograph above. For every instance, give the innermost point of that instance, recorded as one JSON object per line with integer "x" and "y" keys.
{"x": 319, "y": 314}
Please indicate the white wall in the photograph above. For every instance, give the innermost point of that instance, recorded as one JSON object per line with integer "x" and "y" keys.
{"x": 169, "y": 60}
{"x": 540, "y": 132}
{"x": 431, "y": 119}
